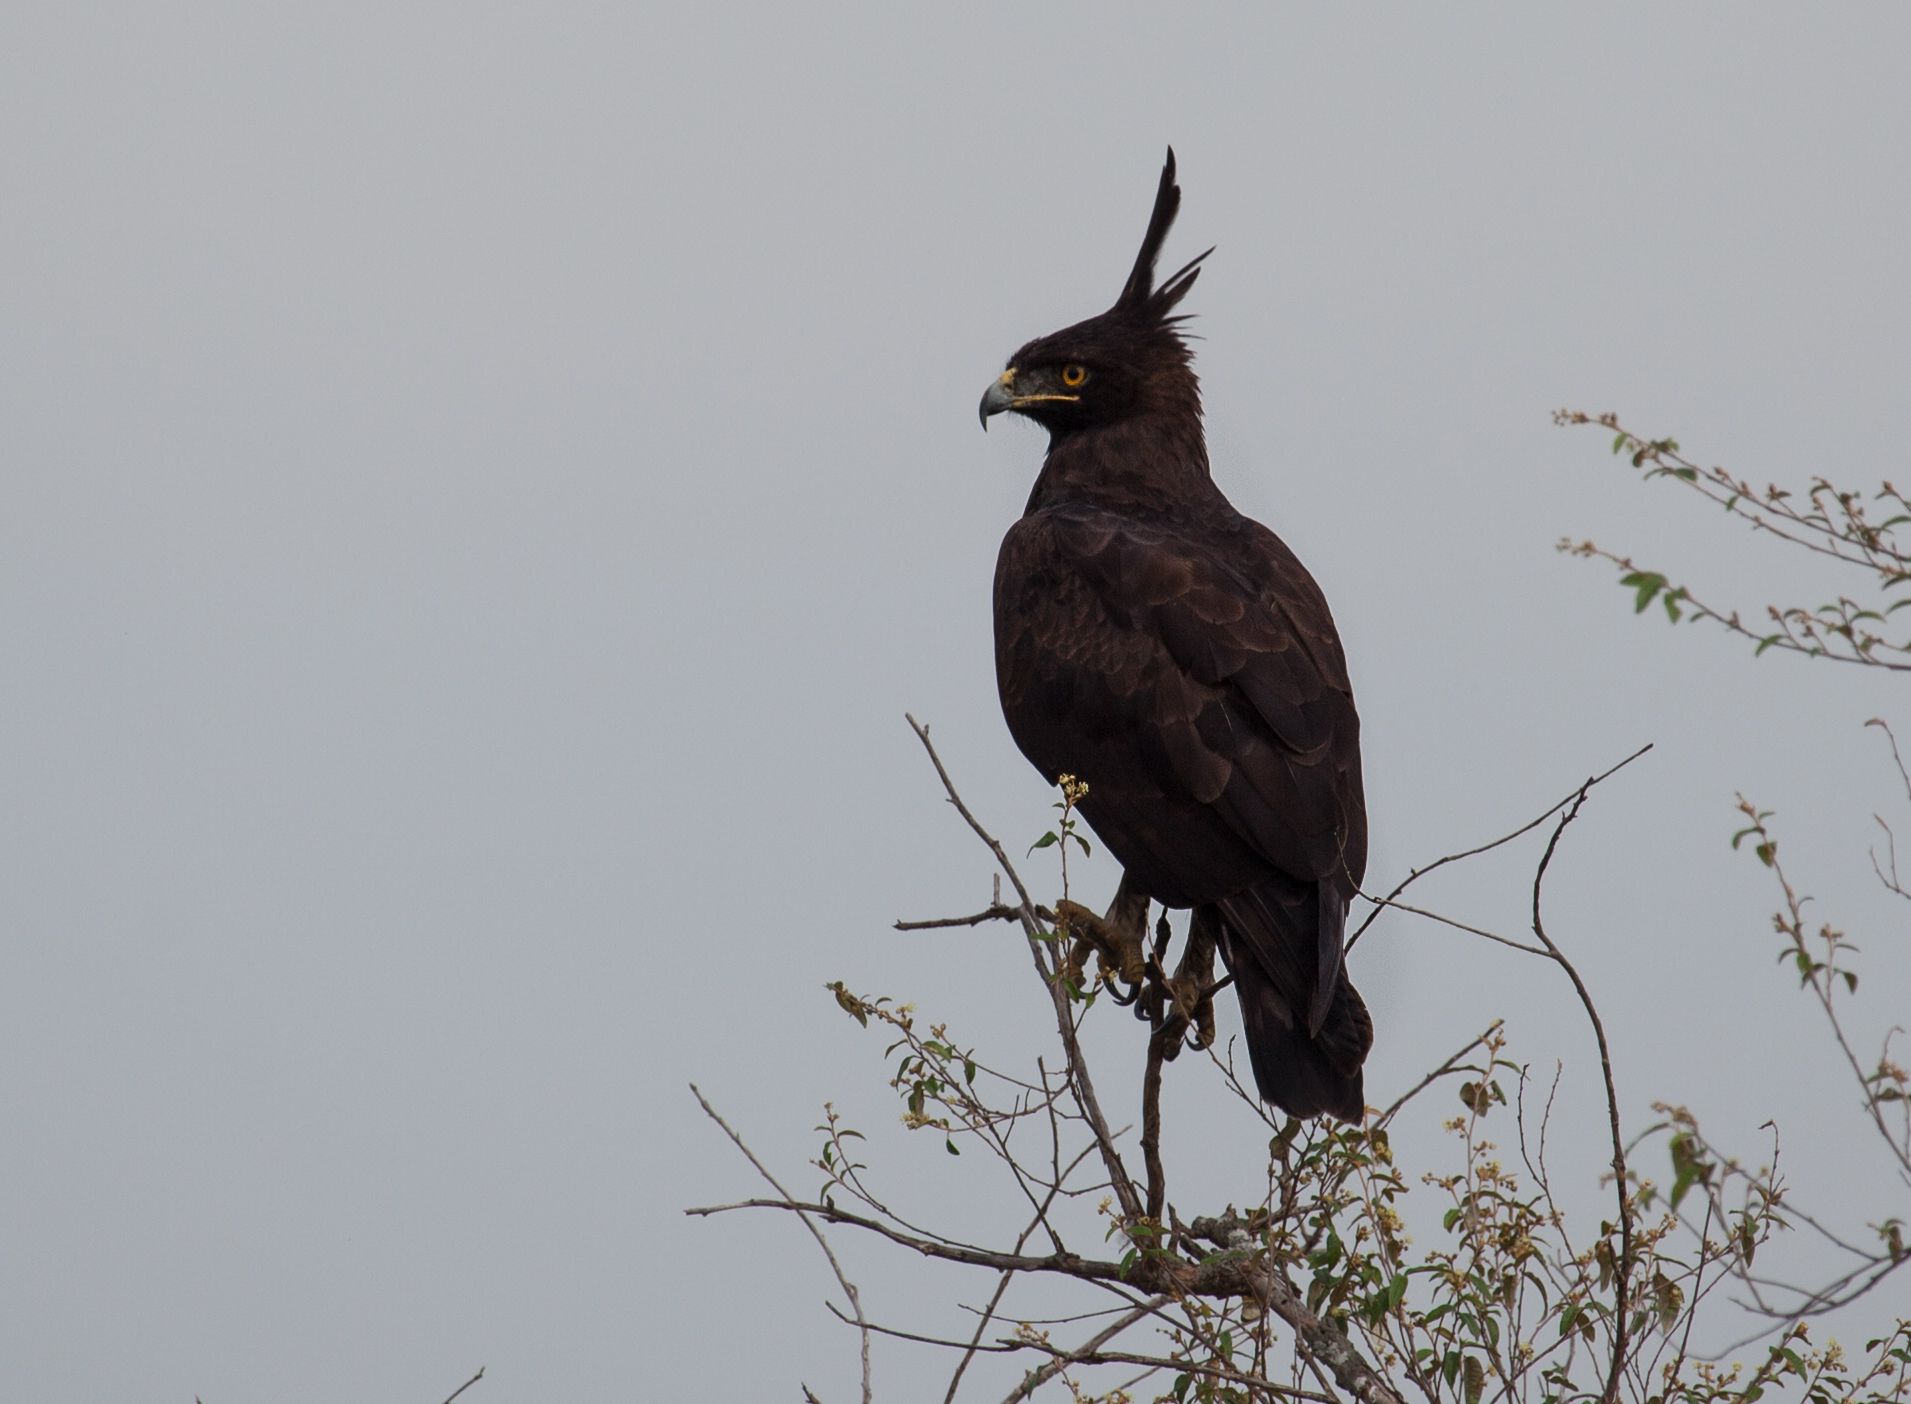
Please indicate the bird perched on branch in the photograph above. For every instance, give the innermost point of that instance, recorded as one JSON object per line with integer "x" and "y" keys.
{"x": 1180, "y": 660}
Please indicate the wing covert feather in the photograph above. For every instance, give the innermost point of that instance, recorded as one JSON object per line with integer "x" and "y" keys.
{"x": 1194, "y": 678}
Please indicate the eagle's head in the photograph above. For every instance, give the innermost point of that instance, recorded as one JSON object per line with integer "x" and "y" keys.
{"x": 1129, "y": 360}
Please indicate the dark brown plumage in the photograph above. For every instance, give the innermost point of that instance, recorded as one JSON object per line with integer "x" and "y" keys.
{"x": 1177, "y": 657}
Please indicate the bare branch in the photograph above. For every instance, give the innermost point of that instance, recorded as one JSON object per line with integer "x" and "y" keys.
{"x": 998, "y": 912}
{"x": 1457, "y": 925}
{"x": 1151, "y": 1113}
{"x": 1094, "y": 1343}
{"x": 1002, "y": 1284}
{"x": 1623, "y": 1268}
{"x": 1077, "y": 1068}
{"x": 968, "y": 1347}
{"x": 849, "y": 1288}
{"x": 1416, "y": 874}
{"x": 1904, "y": 777}
{"x": 1068, "y": 1264}
{"x": 466, "y": 1385}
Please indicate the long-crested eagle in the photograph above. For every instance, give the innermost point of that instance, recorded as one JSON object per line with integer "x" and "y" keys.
{"x": 1178, "y": 658}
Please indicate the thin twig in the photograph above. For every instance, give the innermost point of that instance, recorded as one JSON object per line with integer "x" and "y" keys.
{"x": 849, "y": 1288}
{"x": 999, "y": 911}
{"x": 466, "y": 1385}
{"x": 1069, "y": 1264}
{"x": 1079, "y": 1079}
{"x": 1891, "y": 736}
{"x": 919, "y": 1339}
{"x": 1008, "y": 1276}
{"x": 1470, "y": 930}
{"x": 1416, "y": 874}
{"x": 1436, "y": 1074}
{"x": 1623, "y": 1268}
{"x": 1698, "y": 1295}
{"x": 1035, "y": 1379}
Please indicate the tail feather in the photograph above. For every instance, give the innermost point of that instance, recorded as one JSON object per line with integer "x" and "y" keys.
{"x": 1308, "y": 1030}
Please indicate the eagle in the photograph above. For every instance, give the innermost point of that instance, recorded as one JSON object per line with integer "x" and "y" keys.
{"x": 1178, "y": 658}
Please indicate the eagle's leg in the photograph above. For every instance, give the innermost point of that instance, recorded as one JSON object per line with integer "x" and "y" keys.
{"x": 1119, "y": 936}
{"x": 1152, "y": 999}
{"x": 1192, "y": 980}
{"x": 1183, "y": 1001}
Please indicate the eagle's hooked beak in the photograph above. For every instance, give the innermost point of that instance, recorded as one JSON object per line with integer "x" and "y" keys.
{"x": 999, "y": 396}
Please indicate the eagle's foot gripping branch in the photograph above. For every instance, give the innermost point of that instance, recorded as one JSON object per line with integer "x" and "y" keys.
{"x": 1180, "y": 1007}
{"x": 1119, "y": 938}
{"x": 1184, "y": 1001}
{"x": 1191, "y": 987}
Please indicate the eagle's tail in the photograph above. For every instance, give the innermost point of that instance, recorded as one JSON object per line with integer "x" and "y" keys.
{"x": 1282, "y": 944}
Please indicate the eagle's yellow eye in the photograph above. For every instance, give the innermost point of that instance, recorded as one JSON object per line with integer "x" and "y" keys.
{"x": 1072, "y": 376}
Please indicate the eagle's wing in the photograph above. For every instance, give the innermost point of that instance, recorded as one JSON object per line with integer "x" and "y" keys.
{"x": 1192, "y": 675}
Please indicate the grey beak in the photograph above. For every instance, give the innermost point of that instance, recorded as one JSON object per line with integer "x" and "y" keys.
{"x": 998, "y": 397}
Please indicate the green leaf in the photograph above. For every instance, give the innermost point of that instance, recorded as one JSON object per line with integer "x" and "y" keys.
{"x": 1646, "y": 583}
{"x": 949, "y": 1144}
{"x": 1618, "y": 447}
{"x": 1475, "y": 1374}
{"x": 1047, "y": 840}
{"x": 1689, "y": 1167}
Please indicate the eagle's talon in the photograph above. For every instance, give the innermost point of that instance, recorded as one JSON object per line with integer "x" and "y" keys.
{"x": 1195, "y": 1009}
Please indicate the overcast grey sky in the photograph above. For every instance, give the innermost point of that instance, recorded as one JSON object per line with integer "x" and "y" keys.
{"x": 479, "y": 488}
